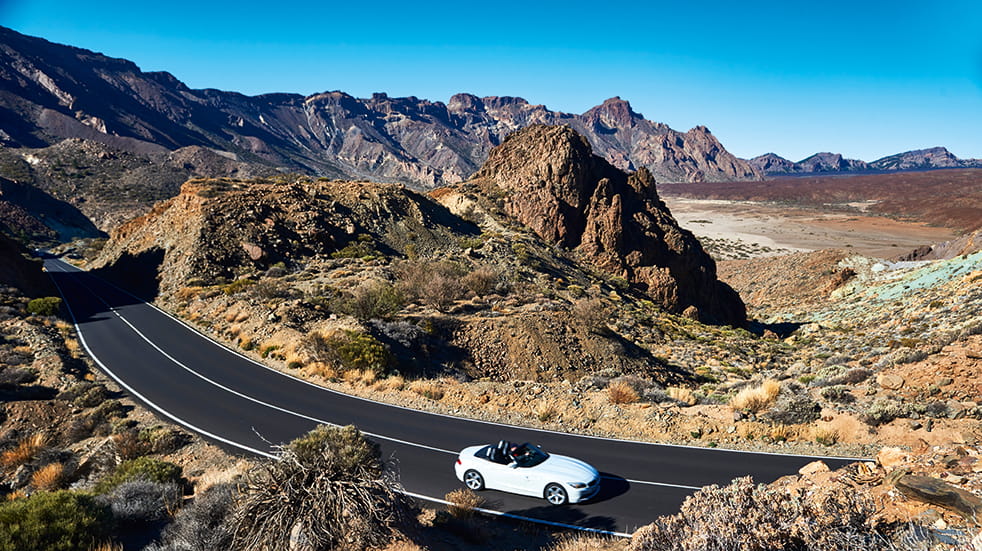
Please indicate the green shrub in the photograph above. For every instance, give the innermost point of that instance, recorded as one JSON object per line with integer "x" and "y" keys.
{"x": 883, "y": 411}
{"x": 141, "y": 468}
{"x": 54, "y": 521}
{"x": 349, "y": 350}
{"x": 44, "y": 306}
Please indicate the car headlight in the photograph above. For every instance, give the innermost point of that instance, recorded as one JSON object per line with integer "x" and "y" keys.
{"x": 577, "y": 485}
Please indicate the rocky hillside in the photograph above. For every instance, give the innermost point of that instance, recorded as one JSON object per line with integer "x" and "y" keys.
{"x": 551, "y": 182}
{"x": 19, "y": 271}
{"x": 921, "y": 159}
{"x": 50, "y": 92}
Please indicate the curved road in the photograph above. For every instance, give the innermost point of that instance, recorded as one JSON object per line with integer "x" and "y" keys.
{"x": 209, "y": 389}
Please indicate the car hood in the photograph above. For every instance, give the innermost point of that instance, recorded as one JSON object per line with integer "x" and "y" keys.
{"x": 567, "y": 469}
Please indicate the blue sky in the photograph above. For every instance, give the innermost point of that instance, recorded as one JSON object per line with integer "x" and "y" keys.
{"x": 862, "y": 78}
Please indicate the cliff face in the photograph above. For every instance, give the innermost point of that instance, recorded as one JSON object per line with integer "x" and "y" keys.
{"x": 554, "y": 185}
{"x": 50, "y": 92}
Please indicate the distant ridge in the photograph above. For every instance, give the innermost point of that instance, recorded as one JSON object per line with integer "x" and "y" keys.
{"x": 919, "y": 159}
{"x": 50, "y": 92}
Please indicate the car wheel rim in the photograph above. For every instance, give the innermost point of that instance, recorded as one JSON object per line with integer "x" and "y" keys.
{"x": 473, "y": 481}
{"x": 555, "y": 495}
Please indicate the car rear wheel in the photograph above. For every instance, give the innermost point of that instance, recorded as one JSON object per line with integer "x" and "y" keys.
{"x": 555, "y": 494}
{"x": 474, "y": 480}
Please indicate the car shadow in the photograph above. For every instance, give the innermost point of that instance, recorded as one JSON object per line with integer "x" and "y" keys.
{"x": 611, "y": 486}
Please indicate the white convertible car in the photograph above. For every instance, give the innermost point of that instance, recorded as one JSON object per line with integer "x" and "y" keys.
{"x": 525, "y": 469}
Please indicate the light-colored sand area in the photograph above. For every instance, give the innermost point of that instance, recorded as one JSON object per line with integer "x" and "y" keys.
{"x": 787, "y": 229}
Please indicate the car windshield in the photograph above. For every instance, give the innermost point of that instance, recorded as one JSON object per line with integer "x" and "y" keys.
{"x": 528, "y": 455}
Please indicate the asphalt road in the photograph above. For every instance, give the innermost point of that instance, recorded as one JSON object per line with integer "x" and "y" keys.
{"x": 202, "y": 385}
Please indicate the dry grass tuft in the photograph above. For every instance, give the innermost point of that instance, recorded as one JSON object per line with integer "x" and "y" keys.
{"x": 584, "y": 543}
{"x": 758, "y": 397}
{"x": 545, "y": 411}
{"x": 25, "y": 450}
{"x": 24, "y": 349}
{"x": 427, "y": 389}
{"x": 107, "y": 546}
{"x": 463, "y": 502}
{"x": 49, "y": 477}
{"x": 395, "y": 382}
{"x": 825, "y": 436}
{"x": 782, "y": 433}
{"x": 682, "y": 395}
{"x": 73, "y": 347}
{"x": 230, "y": 315}
{"x": 620, "y": 392}
{"x": 234, "y": 330}
{"x": 322, "y": 369}
{"x": 403, "y": 545}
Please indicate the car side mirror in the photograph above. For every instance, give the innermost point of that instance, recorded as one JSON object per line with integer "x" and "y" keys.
{"x": 513, "y": 465}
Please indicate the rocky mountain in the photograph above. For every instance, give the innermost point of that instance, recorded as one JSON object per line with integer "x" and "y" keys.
{"x": 20, "y": 271}
{"x": 924, "y": 159}
{"x": 50, "y": 92}
{"x": 921, "y": 159}
{"x": 554, "y": 184}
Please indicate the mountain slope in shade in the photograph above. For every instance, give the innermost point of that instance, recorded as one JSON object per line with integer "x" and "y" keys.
{"x": 50, "y": 92}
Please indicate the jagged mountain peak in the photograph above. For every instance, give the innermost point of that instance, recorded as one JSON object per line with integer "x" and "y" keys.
{"x": 50, "y": 92}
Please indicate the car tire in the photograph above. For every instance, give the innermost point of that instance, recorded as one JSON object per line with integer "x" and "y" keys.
{"x": 555, "y": 494}
{"x": 473, "y": 480}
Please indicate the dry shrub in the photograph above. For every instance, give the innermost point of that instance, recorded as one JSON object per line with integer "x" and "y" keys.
{"x": 462, "y": 503}
{"x": 482, "y": 281}
{"x": 107, "y": 546}
{"x": 24, "y": 451}
{"x": 682, "y": 395}
{"x": 403, "y": 545}
{"x": 73, "y": 347}
{"x": 545, "y": 411}
{"x": 620, "y": 392}
{"x": 758, "y": 397}
{"x": 394, "y": 382}
{"x": 230, "y": 315}
{"x": 584, "y": 543}
{"x": 825, "y": 436}
{"x": 186, "y": 294}
{"x": 129, "y": 445}
{"x": 327, "y": 489}
{"x": 748, "y": 517}
{"x": 427, "y": 389}
{"x": 751, "y": 431}
{"x": 234, "y": 330}
{"x": 49, "y": 477}
{"x": 322, "y": 369}
{"x": 592, "y": 314}
{"x": 782, "y": 433}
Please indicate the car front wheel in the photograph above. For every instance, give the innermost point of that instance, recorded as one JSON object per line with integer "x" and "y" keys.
{"x": 474, "y": 480}
{"x": 555, "y": 494}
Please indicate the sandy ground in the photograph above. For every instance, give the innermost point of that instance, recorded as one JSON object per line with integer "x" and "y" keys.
{"x": 786, "y": 229}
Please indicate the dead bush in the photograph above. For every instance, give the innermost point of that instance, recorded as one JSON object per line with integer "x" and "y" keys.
{"x": 592, "y": 315}
{"x": 748, "y": 517}
{"x": 483, "y": 281}
{"x": 756, "y": 398}
{"x": 25, "y": 450}
{"x": 681, "y": 395}
{"x": 427, "y": 389}
{"x": 620, "y": 392}
{"x": 326, "y": 490}
{"x": 462, "y": 503}
{"x": 203, "y": 525}
{"x": 49, "y": 477}
{"x": 436, "y": 284}
{"x": 372, "y": 299}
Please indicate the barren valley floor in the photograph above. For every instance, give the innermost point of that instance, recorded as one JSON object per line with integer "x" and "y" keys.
{"x": 784, "y": 229}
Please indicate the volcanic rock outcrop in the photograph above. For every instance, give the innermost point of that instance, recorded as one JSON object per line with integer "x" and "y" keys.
{"x": 222, "y": 228}
{"x": 554, "y": 184}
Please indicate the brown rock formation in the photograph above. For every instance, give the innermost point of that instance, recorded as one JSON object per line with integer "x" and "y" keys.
{"x": 556, "y": 186}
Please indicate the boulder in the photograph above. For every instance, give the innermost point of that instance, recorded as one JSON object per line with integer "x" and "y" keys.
{"x": 937, "y": 492}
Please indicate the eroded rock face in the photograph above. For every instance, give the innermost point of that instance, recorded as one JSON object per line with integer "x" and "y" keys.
{"x": 555, "y": 185}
